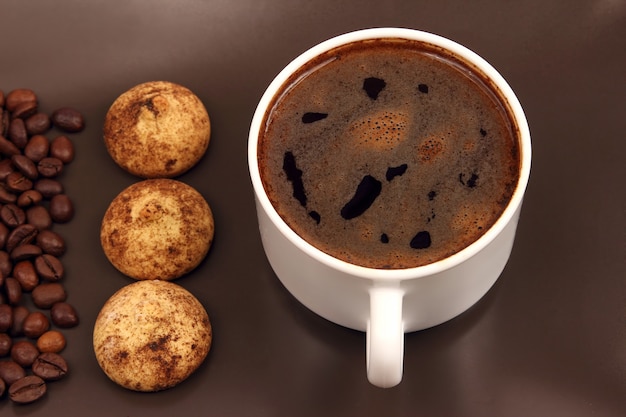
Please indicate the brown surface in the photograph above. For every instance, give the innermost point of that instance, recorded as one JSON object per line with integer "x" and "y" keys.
{"x": 548, "y": 340}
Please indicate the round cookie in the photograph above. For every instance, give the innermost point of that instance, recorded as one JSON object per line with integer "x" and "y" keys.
{"x": 151, "y": 335}
{"x": 157, "y": 129}
{"x": 157, "y": 229}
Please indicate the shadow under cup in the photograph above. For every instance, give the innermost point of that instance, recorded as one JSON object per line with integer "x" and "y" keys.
{"x": 386, "y": 303}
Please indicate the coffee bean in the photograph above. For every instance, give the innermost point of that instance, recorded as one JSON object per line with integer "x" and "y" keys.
{"x": 3, "y": 387}
{"x": 6, "y": 266}
{"x": 51, "y": 341}
{"x": 6, "y": 318}
{"x": 19, "y": 315}
{"x": 27, "y": 389}
{"x": 19, "y": 96}
{"x": 29, "y": 198}
{"x": 24, "y": 252}
{"x": 37, "y": 124}
{"x": 18, "y": 182}
{"x": 50, "y": 167}
{"x": 24, "y": 353}
{"x": 61, "y": 208}
{"x": 39, "y": 217}
{"x": 13, "y": 291}
{"x": 6, "y": 167}
{"x": 24, "y": 272}
{"x": 35, "y": 324}
{"x": 7, "y": 147}
{"x": 50, "y": 366}
{"x": 48, "y": 187}
{"x": 37, "y": 148}
{"x": 4, "y": 123}
{"x": 25, "y": 166}
{"x": 68, "y": 119}
{"x": 5, "y": 345}
{"x": 62, "y": 147}
{"x": 64, "y": 315}
{"x": 46, "y": 294}
{"x": 18, "y": 133}
{"x": 49, "y": 267}
{"x": 6, "y": 196}
{"x": 21, "y": 235}
{"x": 51, "y": 242}
{"x": 12, "y": 215}
{"x": 25, "y": 110}
{"x": 4, "y": 235}
{"x": 10, "y": 371}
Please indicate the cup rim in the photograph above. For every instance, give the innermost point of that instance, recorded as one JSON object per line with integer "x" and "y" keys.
{"x": 457, "y": 49}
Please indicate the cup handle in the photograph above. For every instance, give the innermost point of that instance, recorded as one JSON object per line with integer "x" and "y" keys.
{"x": 385, "y": 337}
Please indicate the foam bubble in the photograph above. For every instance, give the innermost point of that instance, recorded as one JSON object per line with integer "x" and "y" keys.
{"x": 382, "y": 130}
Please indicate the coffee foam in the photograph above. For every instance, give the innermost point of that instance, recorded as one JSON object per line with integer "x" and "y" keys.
{"x": 382, "y": 130}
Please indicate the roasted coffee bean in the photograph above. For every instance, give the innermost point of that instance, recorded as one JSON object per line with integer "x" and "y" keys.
{"x": 13, "y": 291}
{"x": 5, "y": 345}
{"x": 35, "y": 324}
{"x": 4, "y": 123}
{"x": 4, "y": 235}
{"x": 68, "y": 119}
{"x": 24, "y": 272}
{"x": 27, "y": 389}
{"x": 39, "y": 217}
{"x": 6, "y": 167}
{"x": 17, "y": 133}
{"x": 25, "y": 110}
{"x": 29, "y": 198}
{"x": 48, "y": 187}
{"x": 6, "y": 196}
{"x": 24, "y": 165}
{"x": 6, "y": 266}
{"x": 64, "y": 315}
{"x": 62, "y": 147}
{"x": 24, "y": 353}
{"x": 37, "y": 148}
{"x": 18, "y": 182}
{"x": 6, "y": 317}
{"x": 23, "y": 252}
{"x": 3, "y": 387}
{"x": 49, "y": 267}
{"x": 37, "y": 124}
{"x": 10, "y": 371}
{"x": 51, "y": 242}
{"x": 46, "y": 294}
{"x": 21, "y": 235}
{"x": 61, "y": 208}
{"x": 7, "y": 147}
{"x": 50, "y": 366}
{"x": 19, "y": 96}
{"x": 12, "y": 215}
{"x": 50, "y": 167}
{"x": 19, "y": 315}
{"x": 51, "y": 341}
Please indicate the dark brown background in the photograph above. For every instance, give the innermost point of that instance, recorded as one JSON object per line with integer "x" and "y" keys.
{"x": 548, "y": 340}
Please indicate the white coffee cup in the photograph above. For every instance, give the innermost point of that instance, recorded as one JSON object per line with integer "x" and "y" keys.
{"x": 387, "y": 303}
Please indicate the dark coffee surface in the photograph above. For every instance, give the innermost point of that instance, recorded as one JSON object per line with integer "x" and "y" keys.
{"x": 388, "y": 154}
{"x": 549, "y": 339}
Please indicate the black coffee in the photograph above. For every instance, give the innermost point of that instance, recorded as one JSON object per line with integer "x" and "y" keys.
{"x": 388, "y": 154}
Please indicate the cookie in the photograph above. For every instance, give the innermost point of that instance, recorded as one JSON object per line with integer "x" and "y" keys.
{"x": 151, "y": 335}
{"x": 157, "y": 129}
{"x": 157, "y": 229}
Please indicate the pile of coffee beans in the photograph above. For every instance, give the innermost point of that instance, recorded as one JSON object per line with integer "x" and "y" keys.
{"x": 33, "y": 300}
